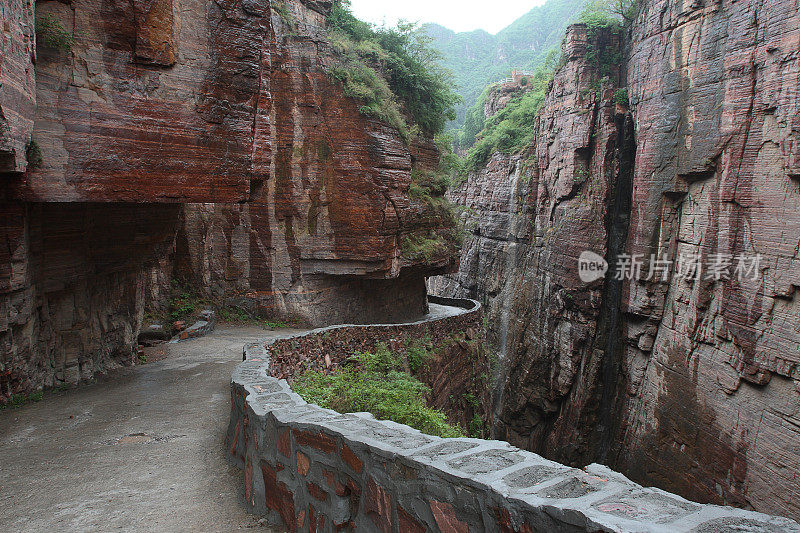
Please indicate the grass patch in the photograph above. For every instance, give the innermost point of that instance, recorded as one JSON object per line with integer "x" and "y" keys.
{"x": 19, "y": 400}
{"x": 418, "y": 247}
{"x": 184, "y": 304}
{"x": 374, "y": 382}
{"x": 363, "y": 82}
{"x": 621, "y": 97}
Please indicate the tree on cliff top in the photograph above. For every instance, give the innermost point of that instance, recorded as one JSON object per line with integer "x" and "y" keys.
{"x": 403, "y": 57}
{"x": 624, "y": 10}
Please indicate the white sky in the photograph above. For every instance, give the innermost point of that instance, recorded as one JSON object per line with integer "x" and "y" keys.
{"x": 458, "y": 15}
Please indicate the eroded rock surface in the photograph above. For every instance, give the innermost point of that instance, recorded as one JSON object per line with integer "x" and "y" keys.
{"x": 322, "y": 236}
{"x": 17, "y": 83}
{"x": 713, "y": 365}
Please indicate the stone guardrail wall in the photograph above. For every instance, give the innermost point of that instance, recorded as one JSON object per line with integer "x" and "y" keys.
{"x": 312, "y": 469}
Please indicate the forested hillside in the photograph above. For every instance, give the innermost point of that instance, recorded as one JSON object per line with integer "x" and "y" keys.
{"x": 478, "y": 58}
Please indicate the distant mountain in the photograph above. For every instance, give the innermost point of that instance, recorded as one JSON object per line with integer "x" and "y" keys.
{"x": 478, "y": 58}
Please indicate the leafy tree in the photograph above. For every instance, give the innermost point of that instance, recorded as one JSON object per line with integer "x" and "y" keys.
{"x": 624, "y": 10}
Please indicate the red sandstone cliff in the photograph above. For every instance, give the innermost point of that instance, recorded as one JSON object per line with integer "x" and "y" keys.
{"x": 288, "y": 193}
{"x": 689, "y": 385}
{"x": 713, "y": 366}
{"x": 322, "y": 236}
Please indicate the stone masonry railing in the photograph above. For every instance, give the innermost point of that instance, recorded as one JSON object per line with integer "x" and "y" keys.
{"x": 312, "y": 469}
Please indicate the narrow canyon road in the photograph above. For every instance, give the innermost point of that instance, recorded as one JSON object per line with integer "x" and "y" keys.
{"x": 143, "y": 450}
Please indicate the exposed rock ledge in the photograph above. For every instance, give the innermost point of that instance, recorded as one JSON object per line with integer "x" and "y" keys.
{"x": 312, "y": 469}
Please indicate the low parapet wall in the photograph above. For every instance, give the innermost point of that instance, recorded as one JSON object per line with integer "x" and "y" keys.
{"x": 312, "y": 469}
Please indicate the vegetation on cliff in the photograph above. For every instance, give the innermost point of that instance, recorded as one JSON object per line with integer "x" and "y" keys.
{"x": 393, "y": 70}
{"x": 375, "y": 382}
{"x": 512, "y": 129}
{"x": 428, "y": 190}
{"x": 51, "y": 33}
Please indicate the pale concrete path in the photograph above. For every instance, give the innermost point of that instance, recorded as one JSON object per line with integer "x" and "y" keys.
{"x": 143, "y": 450}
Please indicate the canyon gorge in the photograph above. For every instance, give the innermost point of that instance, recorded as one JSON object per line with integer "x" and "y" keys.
{"x": 207, "y": 141}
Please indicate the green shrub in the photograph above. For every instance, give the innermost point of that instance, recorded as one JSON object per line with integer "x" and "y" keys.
{"x": 420, "y": 247}
{"x": 417, "y": 83}
{"x": 50, "y": 33}
{"x": 364, "y": 83}
{"x": 428, "y": 184}
{"x": 417, "y": 355}
{"x": 378, "y": 387}
{"x": 621, "y": 97}
{"x": 476, "y": 427}
{"x": 620, "y": 11}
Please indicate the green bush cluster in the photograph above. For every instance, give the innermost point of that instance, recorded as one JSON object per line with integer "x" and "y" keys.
{"x": 374, "y": 382}
{"x": 363, "y": 82}
{"x": 19, "y": 400}
{"x": 50, "y": 33}
{"x": 622, "y": 12}
{"x": 621, "y": 97}
{"x": 423, "y": 247}
{"x": 393, "y": 70}
{"x": 605, "y": 59}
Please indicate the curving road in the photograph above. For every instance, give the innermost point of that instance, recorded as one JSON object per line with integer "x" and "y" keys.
{"x": 140, "y": 451}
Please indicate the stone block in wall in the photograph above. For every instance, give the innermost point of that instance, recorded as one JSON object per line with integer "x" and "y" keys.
{"x": 155, "y": 32}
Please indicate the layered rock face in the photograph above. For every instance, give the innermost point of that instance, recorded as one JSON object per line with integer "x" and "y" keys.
{"x": 322, "y": 237}
{"x": 76, "y": 279}
{"x": 122, "y": 111}
{"x": 17, "y": 83}
{"x": 713, "y": 380}
{"x": 686, "y": 382}
{"x": 89, "y": 114}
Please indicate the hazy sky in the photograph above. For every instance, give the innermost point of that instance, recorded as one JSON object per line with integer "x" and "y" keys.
{"x": 458, "y": 15}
